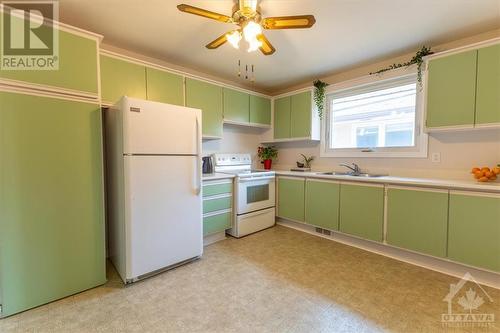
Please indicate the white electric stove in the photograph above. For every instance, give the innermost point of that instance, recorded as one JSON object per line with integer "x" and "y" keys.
{"x": 254, "y": 197}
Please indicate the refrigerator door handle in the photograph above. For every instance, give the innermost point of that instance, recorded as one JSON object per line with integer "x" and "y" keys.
{"x": 198, "y": 157}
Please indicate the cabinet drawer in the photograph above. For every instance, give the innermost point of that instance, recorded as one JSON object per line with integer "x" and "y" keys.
{"x": 216, "y": 223}
{"x": 216, "y": 189}
{"x": 212, "y": 205}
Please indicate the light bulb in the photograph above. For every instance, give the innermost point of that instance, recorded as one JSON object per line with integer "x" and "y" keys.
{"x": 251, "y": 31}
{"x": 254, "y": 44}
{"x": 234, "y": 38}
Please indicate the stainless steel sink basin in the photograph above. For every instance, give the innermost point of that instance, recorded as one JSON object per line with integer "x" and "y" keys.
{"x": 333, "y": 173}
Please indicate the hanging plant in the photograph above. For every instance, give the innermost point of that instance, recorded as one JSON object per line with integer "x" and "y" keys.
{"x": 319, "y": 96}
{"x": 417, "y": 59}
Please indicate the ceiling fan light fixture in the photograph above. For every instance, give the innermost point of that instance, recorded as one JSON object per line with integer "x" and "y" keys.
{"x": 254, "y": 45}
{"x": 234, "y": 38}
{"x": 251, "y": 31}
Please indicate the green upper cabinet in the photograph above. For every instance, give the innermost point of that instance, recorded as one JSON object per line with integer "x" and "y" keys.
{"x": 322, "y": 204}
{"x": 207, "y": 97}
{"x": 417, "y": 220}
{"x": 362, "y": 210}
{"x": 291, "y": 192}
{"x": 282, "y": 118}
{"x": 260, "y": 110}
{"x": 300, "y": 115}
{"x": 488, "y": 85}
{"x": 474, "y": 229}
{"x": 121, "y": 78}
{"x": 164, "y": 87}
{"x": 52, "y": 214}
{"x": 451, "y": 90}
{"x": 78, "y": 69}
{"x": 236, "y": 106}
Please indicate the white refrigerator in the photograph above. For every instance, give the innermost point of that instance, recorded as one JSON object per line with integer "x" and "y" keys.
{"x": 153, "y": 163}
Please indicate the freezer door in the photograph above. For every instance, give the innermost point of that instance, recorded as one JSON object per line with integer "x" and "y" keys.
{"x": 158, "y": 128}
{"x": 163, "y": 212}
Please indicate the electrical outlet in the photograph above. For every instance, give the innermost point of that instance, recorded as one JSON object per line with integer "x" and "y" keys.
{"x": 436, "y": 157}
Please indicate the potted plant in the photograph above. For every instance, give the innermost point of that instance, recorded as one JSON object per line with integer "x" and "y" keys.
{"x": 266, "y": 156}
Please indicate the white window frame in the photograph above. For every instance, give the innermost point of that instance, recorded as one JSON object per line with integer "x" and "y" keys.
{"x": 366, "y": 83}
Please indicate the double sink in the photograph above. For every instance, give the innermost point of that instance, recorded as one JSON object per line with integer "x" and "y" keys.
{"x": 352, "y": 174}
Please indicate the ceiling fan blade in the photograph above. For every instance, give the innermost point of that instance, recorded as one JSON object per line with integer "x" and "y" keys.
{"x": 288, "y": 22}
{"x": 267, "y": 48}
{"x": 217, "y": 42}
{"x": 205, "y": 13}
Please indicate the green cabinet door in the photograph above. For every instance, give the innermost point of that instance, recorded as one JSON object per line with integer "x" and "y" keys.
{"x": 77, "y": 66}
{"x": 322, "y": 204}
{"x": 418, "y": 220}
{"x": 236, "y": 106}
{"x": 451, "y": 90}
{"x": 282, "y": 118}
{"x": 291, "y": 193}
{"x": 52, "y": 214}
{"x": 362, "y": 210}
{"x": 474, "y": 230}
{"x": 121, "y": 78}
{"x": 300, "y": 115}
{"x": 208, "y": 98}
{"x": 488, "y": 85}
{"x": 260, "y": 110}
{"x": 164, "y": 87}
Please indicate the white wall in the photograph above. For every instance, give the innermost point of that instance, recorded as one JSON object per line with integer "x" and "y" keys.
{"x": 236, "y": 139}
{"x": 460, "y": 151}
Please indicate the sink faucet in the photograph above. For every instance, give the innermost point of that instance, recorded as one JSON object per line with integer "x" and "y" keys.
{"x": 354, "y": 168}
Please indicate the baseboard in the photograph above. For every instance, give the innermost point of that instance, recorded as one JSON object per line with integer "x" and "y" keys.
{"x": 441, "y": 265}
{"x": 213, "y": 238}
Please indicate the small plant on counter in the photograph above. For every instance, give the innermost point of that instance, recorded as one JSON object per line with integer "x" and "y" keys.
{"x": 319, "y": 96}
{"x": 266, "y": 156}
{"x": 306, "y": 161}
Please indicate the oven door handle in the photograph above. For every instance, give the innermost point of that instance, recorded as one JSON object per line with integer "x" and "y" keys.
{"x": 251, "y": 179}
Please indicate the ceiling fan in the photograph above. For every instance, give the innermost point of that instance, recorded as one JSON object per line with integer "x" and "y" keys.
{"x": 250, "y": 25}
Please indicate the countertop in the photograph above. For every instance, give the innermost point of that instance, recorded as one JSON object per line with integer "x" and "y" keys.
{"x": 216, "y": 176}
{"x": 471, "y": 185}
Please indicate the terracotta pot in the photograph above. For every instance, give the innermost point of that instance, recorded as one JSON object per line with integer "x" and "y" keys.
{"x": 267, "y": 164}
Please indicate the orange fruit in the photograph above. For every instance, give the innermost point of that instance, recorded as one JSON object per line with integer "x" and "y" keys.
{"x": 488, "y": 174}
{"x": 494, "y": 177}
{"x": 484, "y": 169}
{"x": 496, "y": 170}
{"x": 475, "y": 169}
{"x": 483, "y": 179}
{"x": 478, "y": 174}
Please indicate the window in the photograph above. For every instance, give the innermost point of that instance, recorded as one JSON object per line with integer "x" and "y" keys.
{"x": 378, "y": 119}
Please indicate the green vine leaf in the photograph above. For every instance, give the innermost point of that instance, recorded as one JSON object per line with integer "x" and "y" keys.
{"x": 319, "y": 96}
{"x": 417, "y": 59}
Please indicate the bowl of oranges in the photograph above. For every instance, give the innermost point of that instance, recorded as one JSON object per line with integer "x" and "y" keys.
{"x": 485, "y": 174}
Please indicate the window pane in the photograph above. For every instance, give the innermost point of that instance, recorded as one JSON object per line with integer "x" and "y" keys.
{"x": 380, "y": 118}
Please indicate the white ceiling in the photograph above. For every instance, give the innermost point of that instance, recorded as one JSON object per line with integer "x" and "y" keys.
{"x": 346, "y": 33}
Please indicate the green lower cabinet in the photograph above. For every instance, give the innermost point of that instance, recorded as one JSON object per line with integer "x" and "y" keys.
{"x": 260, "y": 110}
{"x": 362, "y": 210}
{"x": 451, "y": 90}
{"x": 474, "y": 229}
{"x": 488, "y": 85}
{"x": 282, "y": 118}
{"x": 216, "y": 223}
{"x": 77, "y": 63}
{"x": 322, "y": 204}
{"x": 207, "y": 97}
{"x": 217, "y": 188}
{"x": 236, "y": 106}
{"x": 214, "y": 204}
{"x": 417, "y": 220}
{"x": 52, "y": 212}
{"x": 300, "y": 115}
{"x": 164, "y": 87}
{"x": 291, "y": 192}
{"x": 121, "y": 78}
